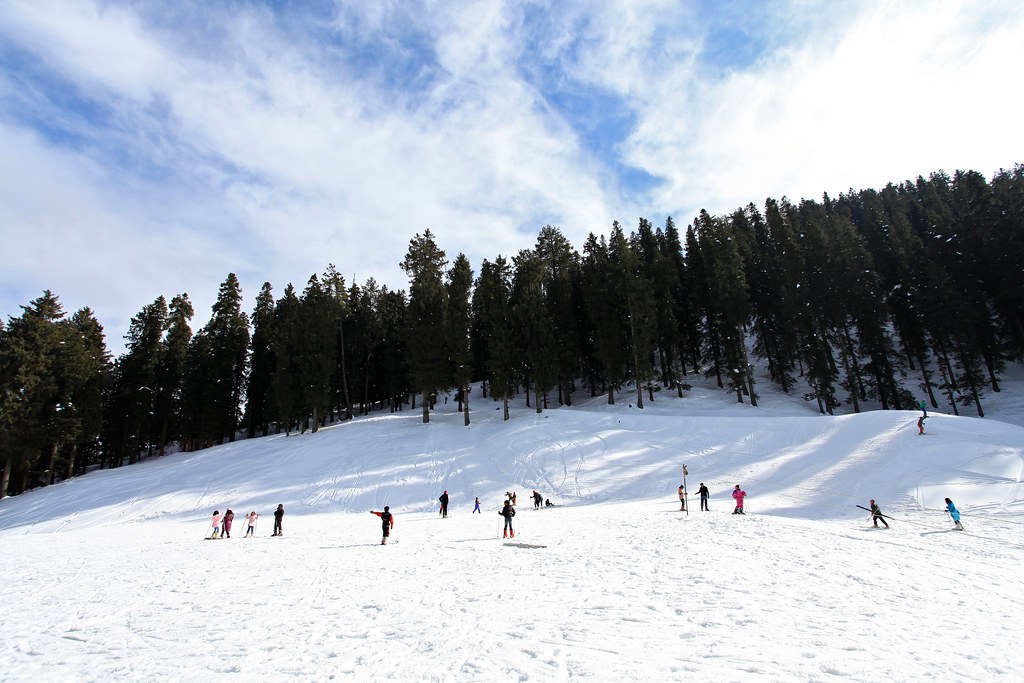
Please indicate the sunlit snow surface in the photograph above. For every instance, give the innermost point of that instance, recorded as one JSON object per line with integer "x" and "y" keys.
{"x": 108, "y": 577}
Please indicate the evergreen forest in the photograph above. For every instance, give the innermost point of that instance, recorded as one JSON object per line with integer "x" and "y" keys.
{"x": 874, "y": 299}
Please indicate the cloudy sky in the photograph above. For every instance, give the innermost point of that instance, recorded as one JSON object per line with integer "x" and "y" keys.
{"x": 150, "y": 148}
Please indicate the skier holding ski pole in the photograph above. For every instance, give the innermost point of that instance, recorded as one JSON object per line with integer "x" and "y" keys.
{"x": 954, "y": 514}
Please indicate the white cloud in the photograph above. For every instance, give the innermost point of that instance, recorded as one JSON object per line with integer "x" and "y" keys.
{"x": 903, "y": 90}
{"x": 239, "y": 142}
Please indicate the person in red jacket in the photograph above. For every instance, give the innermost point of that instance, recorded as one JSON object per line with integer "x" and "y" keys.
{"x": 387, "y": 523}
{"x": 738, "y": 495}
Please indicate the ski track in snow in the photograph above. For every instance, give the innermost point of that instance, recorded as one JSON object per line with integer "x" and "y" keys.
{"x": 108, "y": 577}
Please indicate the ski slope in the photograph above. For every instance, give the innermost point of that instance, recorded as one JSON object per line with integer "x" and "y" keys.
{"x": 108, "y": 576}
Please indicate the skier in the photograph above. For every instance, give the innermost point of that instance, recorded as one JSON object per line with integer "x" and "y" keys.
{"x": 924, "y": 408}
{"x": 704, "y": 493}
{"x": 738, "y": 495}
{"x": 682, "y": 498}
{"x": 251, "y": 519}
{"x": 444, "y": 504}
{"x": 387, "y": 521}
{"x": 537, "y": 499}
{"x": 920, "y": 425}
{"x": 476, "y": 505}
{"x": 508, "y": 512}
{"x": 229, "y": 517}
{"x": 278, "y": 519}
{"x": 215, "y": 523}
{"x": 954, "y": 514}
{"x": 876, "y": 514}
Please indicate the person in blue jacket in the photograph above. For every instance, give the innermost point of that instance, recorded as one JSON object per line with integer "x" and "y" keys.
{"x": 955, "y": 514}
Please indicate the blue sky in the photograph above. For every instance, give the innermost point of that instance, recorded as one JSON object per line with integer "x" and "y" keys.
{"x": 150, "y": 148}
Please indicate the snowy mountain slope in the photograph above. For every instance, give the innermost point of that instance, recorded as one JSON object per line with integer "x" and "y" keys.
{"x": 612, "y": 584}
{"x": 796, "y": 464}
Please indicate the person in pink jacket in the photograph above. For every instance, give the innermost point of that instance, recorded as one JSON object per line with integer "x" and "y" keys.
{"x": 251, "y": 518}
{"x": 738, "y": 495}
{"x": 215, "y": 523}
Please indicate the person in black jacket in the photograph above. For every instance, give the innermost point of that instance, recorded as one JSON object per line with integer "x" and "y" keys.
{"x": 387, "y": 521}
{"x": 876, "y": 514}
{"x": 278, "y": 519}
{"x": 508, "y": 512}
{"x": 704, "y": 493}
{"x": 444, "y": 504}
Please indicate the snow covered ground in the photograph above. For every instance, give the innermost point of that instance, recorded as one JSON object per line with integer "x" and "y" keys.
{"x": 107, "y": 577}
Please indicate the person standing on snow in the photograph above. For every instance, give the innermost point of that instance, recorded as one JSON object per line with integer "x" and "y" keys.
{"x": 682, "y": 498}
{"x": 920, "y": 425}
{"x": 444, "y": 504}
{"x": 387, "y": 521}
{"x": 229, "y": 517}
{"x": 876, "y": 514}
{"x": 924, "y": 408}
{"x": 476, "y": 505}
{"x": 954, "y": 514}
{"x": 508, "y": 512}
{"x": 278, "y": 520}
{"x": 251, "y": 519}
{"x": 215, "y": 523}
{"x": 738, "y": 495}
{"x": 704, "y": 493}
{"x": 513, "y": 498}
{"x": 537, "y": 499}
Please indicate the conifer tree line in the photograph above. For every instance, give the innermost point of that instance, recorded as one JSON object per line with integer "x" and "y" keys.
{"x": 877, "y": 297}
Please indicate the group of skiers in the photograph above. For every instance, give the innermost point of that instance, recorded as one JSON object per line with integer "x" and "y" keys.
{"x": 738, "y": 495}
{"x": 221, "y": 524}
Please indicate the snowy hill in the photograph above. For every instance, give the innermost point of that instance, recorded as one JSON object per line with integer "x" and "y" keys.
{"x": 614, "y": 583}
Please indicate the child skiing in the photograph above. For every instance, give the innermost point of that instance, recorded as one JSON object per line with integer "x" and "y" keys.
{"x": 954, "y": 514}
{"x": 738, "y": 495}
{"x": 920, "y": 425}
{"x": 215, "y": 523}
{"x": 508, "y": 512}
{"x": 251, "y": 519}
{"x": 704, "y": 493}
{"x": 278, "y": 520}
{"x": 229, "y": 517}
{"x": 387, "y": 521}
{"x": 876, "y": 514}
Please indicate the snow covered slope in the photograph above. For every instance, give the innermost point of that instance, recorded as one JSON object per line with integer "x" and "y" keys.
{"x": 614, "y": 583}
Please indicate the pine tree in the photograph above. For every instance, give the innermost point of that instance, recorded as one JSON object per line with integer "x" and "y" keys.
{"x": 260, "y": 408}
{"x": 424, "y": 264}
{"x": 132, "y": 404}
{"x": 560, "y": 265}
{"x": 491, "y": 340}
{"x": 170, "y": 372}
{"x": 458, "y": 286}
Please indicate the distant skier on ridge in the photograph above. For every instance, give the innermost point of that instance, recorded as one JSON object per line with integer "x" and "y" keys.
{"x": 444, "y": 504}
